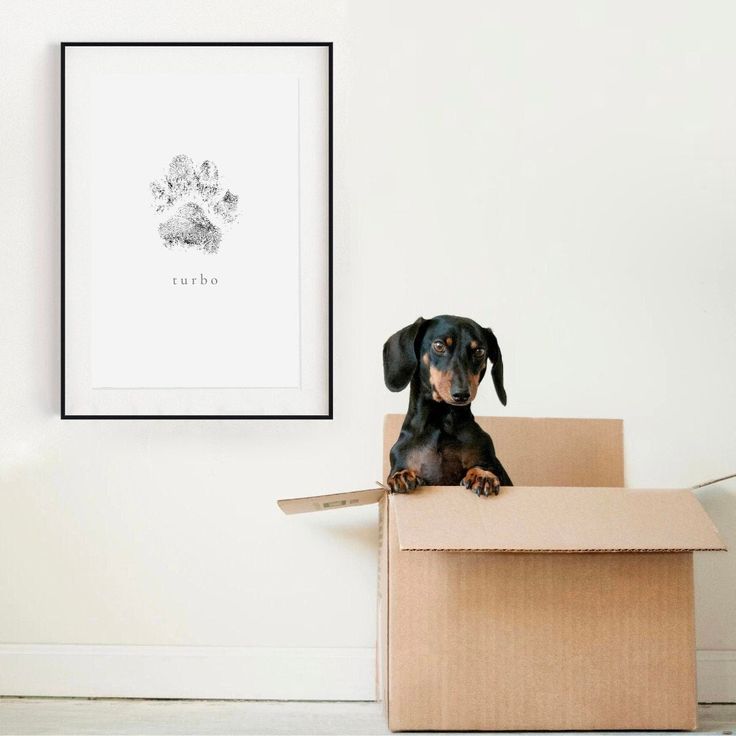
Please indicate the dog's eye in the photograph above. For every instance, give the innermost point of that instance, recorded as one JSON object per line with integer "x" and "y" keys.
{"x": 479, "y": 353}
{"x": 439, "y": 346}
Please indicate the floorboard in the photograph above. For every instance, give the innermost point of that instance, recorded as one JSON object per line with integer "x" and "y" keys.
{"x": 62, "y": 716}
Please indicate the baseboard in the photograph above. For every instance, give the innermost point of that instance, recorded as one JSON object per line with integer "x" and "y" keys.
{"x": 717, "y": 676}
{"x": 247, "y": 673}
{"x": 235, "y": 673}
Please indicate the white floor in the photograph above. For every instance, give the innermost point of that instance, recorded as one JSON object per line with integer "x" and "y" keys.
{"x": 45, "y": 716}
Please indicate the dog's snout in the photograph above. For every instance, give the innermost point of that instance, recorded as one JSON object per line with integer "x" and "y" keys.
{"x": 460, "y": 390}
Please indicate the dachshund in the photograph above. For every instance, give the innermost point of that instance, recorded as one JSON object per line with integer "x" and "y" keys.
{"x": 444, "y": 359}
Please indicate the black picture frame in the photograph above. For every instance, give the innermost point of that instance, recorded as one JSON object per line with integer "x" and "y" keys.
{"x": 329, "y": 414}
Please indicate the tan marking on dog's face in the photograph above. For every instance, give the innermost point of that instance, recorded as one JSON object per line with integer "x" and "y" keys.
{"x": 441, "y": 383}
{"x": 425, "y": 358}
{"x": 448, "y": 342}
{"x": 474, "y": 344}
{"x": 473, "y": 381}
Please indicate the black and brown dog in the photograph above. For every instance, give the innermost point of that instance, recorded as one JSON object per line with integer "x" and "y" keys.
{"x": 444, "y": 359}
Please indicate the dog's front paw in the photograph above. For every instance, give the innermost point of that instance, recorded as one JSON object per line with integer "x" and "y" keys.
{"x": 404, "y": 481}
{"x": 481, "y": 482}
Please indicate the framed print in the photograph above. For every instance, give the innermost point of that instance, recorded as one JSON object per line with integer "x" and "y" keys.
{"x": 196, "y": 230}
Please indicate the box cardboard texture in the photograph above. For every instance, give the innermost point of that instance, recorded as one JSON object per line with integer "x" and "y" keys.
{"x": 564, "y": 603}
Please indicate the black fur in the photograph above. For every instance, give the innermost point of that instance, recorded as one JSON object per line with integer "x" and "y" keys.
{"x": 444, "y": 359}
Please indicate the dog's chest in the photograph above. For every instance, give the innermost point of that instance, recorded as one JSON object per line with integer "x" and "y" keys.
{"x": 441, "y": 460}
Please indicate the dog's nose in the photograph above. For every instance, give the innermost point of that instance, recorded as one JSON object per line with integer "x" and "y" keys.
{"x": 460, "y": 396}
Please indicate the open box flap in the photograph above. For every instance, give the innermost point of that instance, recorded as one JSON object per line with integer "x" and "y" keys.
{"x": 554, "y": 519}
{"x": 330, "y": 501}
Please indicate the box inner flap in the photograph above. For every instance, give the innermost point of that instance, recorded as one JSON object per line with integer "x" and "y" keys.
{"x": 547, "y": 452}
{"x": 330, "y": 501}
{"x": 554, "y": 519}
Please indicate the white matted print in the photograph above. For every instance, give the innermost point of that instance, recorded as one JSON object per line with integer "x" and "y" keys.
{"x": 196, "y": 236}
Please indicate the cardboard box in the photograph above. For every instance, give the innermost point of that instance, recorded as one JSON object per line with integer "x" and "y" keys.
{"x": 564, "y": 603}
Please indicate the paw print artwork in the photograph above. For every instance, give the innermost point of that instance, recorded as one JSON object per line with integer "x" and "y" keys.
{"x": 202, "y": 208}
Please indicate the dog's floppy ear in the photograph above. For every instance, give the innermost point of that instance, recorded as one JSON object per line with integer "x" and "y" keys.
{"x": 400, "y": 356}
{"x": 494, "y": 355}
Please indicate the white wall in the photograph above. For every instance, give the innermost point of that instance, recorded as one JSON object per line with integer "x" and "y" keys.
{"x": 564, "y": 171}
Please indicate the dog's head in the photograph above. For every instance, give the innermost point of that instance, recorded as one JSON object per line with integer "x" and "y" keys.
{"x": 448, "y": 353}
